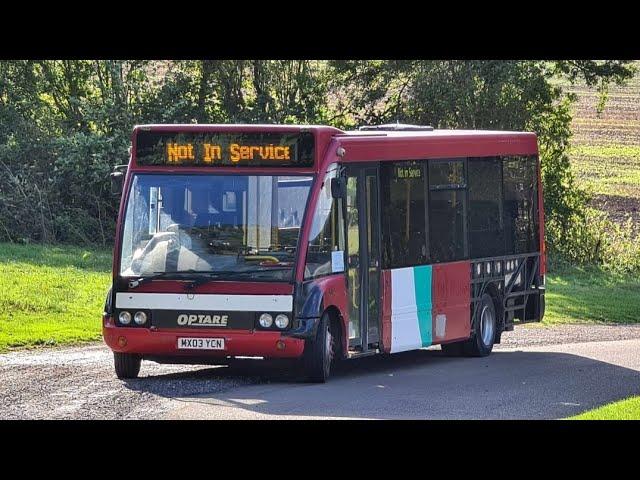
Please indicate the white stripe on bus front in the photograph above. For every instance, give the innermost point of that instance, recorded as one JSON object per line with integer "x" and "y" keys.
{"x": 216, "y": 302}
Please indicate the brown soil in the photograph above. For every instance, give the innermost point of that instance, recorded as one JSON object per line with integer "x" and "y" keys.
{"x": 618, "y": 208}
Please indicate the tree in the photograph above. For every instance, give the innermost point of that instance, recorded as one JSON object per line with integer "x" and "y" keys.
{"x": 499, "y": 95}
{"x": 65, "y": 123}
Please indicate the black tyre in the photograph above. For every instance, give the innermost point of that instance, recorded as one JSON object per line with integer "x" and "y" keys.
{"x": 481, "y": 342}
{"x": 320, "y": 352}
{"x": 127, "y": 364}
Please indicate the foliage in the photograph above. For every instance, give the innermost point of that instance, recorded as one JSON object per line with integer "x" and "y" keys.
{"x": 63, "y": 124}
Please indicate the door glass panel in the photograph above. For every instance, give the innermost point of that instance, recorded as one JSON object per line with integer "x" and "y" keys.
{"x": 373, "y": 261}
{"x": 353, "y": 246}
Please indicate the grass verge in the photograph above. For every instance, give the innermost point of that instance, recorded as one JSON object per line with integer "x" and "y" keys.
{"x": 51, "y": 294}
{"x": 628, "y": 409}
{"x": 591, "y": 295}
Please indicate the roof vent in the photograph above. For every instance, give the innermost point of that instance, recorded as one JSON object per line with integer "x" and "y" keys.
{"x": 398, "y": 127}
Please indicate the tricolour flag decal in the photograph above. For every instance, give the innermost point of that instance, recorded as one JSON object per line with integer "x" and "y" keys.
{"x": 411, "y": 325}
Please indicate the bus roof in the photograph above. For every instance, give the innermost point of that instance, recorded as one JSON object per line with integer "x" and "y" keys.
{"x": 435, "y": 133}
{"x": 424, "y": 134}
{"x": 370, "y": 146}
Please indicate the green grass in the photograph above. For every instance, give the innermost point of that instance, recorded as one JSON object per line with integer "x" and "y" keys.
{"x": 51, "y": 295}
{"x": 590, "y": 295}
{"x": 628, "y": 409}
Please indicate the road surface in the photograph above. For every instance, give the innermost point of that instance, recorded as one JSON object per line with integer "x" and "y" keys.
{"x": 536, "y": 374}
{"x": 528, "y": 383}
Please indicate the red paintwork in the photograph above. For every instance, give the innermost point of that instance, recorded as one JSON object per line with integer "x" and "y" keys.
{"x": 451, "y": 281}
{"x": 334, "y": 289}
{"x": 386, "y": 311}
{"x": 443, "y": 144}
{"x": 451, "y": 294}
{"x": 164, "y": 342}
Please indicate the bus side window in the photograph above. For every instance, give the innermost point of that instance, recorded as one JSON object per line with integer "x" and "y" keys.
{"x": 403, "y": 200}
{"x": 448, "y": 210}
{"x": 520, "y": 204}
{"x": 486, "y": 219}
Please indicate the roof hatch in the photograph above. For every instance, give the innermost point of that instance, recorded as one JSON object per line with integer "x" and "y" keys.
{"x": 397, "y": 127}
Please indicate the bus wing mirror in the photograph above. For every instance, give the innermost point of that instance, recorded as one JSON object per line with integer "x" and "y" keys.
{"x": 338, "y": 187}
{"x": 117, "y": 182}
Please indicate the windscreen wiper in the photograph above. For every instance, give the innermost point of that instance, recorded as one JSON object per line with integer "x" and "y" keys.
{"x": 203, "y": 275}
{"x": 259, "y": 270}
{"x": 133, "y": 283}
{"x": 169, "y": 276}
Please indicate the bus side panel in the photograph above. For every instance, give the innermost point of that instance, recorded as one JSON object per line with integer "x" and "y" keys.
{"x": 425, "y": 305}
{"x": 452, "y": 301}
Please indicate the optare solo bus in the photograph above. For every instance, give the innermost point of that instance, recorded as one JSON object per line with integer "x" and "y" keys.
{"x": 316, "y": 245}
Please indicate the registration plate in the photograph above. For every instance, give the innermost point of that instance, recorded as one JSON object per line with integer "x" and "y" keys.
{"x": 191, "y": 343}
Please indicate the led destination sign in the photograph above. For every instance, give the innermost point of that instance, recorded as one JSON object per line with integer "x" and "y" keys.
{"x": 225, "y": 149}
{"x": 403, "y": 173}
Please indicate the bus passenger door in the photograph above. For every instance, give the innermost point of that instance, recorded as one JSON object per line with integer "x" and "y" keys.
{"x": 363, "y": 268}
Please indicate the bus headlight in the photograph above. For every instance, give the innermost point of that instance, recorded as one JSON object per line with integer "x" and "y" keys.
{"x": 124, "y": 318}
{"x": 140, "y": 318}
{"x": 265, "y": 320}
{"x": 282, "y": 321}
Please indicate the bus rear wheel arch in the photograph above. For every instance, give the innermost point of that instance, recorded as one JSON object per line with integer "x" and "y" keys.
{"x": 485, "y": 331}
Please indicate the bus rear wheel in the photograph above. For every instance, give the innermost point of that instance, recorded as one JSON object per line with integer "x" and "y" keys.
{"x": 481, "y": 343}
{"x": 483, "y": 337}
{"x": 127, "y": 364}
{"x": 319, "y": 353}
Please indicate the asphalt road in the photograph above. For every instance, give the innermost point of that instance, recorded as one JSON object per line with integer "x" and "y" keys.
{"x": 536, "y": 373}
{"x": 529, "y": 383}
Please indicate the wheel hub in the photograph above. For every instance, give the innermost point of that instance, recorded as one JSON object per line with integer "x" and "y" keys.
{"x": 487, "y": 325}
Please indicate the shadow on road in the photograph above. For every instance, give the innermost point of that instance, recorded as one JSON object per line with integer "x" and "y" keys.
{"x": 419, "y": 384}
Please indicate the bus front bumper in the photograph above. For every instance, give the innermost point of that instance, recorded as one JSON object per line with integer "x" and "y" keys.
{"x": 237, "y": 343}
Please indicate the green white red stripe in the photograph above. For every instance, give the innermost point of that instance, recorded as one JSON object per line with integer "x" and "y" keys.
{"x": 411, "y": 307}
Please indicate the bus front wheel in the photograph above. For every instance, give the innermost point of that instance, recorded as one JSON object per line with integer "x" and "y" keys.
{"x": 319, "y": 353}
{"x": 127, "y": 364}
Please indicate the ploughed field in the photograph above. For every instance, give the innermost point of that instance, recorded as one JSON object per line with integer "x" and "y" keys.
{"x": 605, "y": 152}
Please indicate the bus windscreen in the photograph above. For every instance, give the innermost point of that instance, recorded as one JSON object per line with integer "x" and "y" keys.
{"x": 197, "y": 149}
